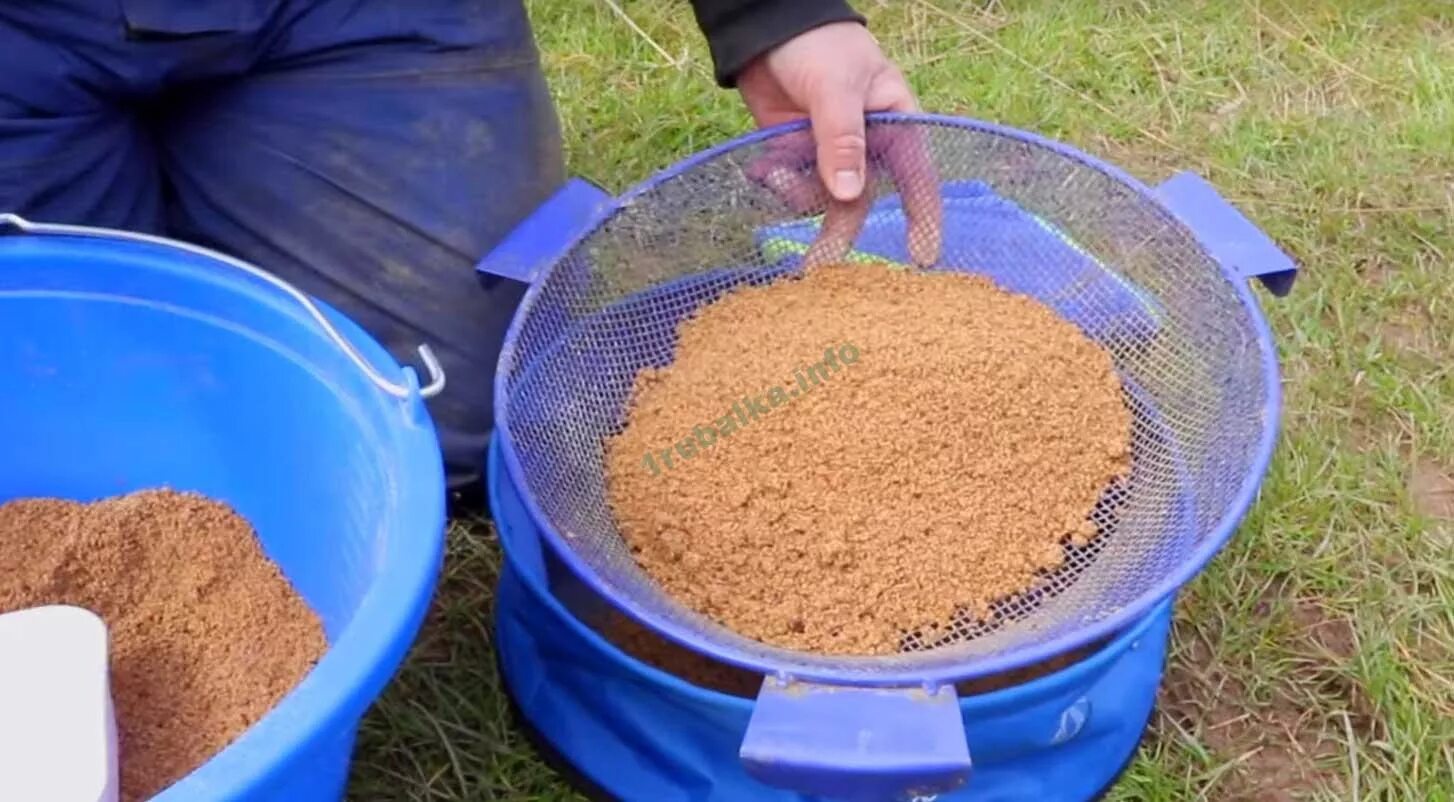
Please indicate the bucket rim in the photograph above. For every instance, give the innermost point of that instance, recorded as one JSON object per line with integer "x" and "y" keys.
{"x": 321, "y": 314}
{"x": 868, "y": 670}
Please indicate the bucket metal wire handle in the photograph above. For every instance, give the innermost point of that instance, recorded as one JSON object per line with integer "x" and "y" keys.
{"x": 395, "y": 389}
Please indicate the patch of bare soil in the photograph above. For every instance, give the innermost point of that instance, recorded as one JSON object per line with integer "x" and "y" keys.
{"x": 1432, "y": 490}
{"x": 1283, "y": 748}
{"x": 1374, "y": 269}
{"x": 1409, "y": 332}
{"x": 1328, "y": 643}
{"x": 1367, "y": 430}
{"x": 1331, "y": 636}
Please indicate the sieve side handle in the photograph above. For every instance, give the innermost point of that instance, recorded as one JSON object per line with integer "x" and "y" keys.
{"x": 541, "y": 239}
{"x": 1230, "y": 237}
{"x": 856, "y": 743}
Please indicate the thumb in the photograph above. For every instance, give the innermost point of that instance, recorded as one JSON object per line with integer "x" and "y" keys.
{"x": 838, "y": 130}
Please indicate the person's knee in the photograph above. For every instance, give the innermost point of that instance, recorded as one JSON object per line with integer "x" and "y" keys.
{"x": 379, "y": 197}
{"x": 67, "y": 156}
{"x": 82, "y": 171}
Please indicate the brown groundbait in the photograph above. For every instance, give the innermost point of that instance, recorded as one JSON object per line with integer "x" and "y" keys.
{"x": 842, "y": 461}
{"x": 206, "y": 634}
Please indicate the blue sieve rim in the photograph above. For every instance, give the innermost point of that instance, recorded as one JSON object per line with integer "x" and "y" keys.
{"x": 877, "y": 671}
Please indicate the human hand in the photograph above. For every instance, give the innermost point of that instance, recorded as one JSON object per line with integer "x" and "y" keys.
{"x": 833, "y": 75}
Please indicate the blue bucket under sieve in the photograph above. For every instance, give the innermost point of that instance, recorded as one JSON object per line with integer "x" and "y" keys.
{"x": 622, "y": 729}
{"x": 130, "y": 362}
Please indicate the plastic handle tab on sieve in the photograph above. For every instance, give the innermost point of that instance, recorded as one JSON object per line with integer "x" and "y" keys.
{"x": 547, "y": 234}
{"x": 409, "y": 388}
{"x": 1226, "y": 233}
{"x": 854, "y": 743}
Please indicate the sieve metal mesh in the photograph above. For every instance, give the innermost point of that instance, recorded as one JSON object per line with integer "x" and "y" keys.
{"x": 1037, "y": 218}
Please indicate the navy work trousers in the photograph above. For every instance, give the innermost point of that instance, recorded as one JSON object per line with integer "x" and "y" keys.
{"x": 368, "y": 151}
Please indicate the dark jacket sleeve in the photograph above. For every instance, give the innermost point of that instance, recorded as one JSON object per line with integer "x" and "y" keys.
{"x": 739, "y": 31}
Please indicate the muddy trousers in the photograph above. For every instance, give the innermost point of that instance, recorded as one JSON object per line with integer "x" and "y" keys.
{"x": 368, "y": 152}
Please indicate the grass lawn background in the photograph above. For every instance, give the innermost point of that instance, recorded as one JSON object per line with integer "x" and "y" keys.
{"x": 1315, "y": 659}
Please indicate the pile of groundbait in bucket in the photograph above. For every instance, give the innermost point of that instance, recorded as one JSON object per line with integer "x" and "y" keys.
{"x": 199, "y": 633}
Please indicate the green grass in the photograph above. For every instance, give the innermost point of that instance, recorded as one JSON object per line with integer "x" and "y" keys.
{"x": 1315, "y": 659}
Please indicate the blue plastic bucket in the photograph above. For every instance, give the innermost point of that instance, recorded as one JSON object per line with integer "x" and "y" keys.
{"x": 129, "y": 362}
{"x": 629, "y": 731}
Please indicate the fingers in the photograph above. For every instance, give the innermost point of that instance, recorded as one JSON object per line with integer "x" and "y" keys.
{"x": 837, "y": 115}
{"x": 841, "y": 225}
{"x": 904, "y": 152}
{"x": 836, "y": 112}
{"x": 846, "y": 156}
{"x": 786, "y": 169}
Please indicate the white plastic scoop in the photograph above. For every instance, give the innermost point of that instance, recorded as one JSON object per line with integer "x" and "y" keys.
{"x": 57, "y": 726}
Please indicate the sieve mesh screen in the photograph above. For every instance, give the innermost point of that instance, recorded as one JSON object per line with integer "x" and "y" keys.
{"x": 1037, "y": 219}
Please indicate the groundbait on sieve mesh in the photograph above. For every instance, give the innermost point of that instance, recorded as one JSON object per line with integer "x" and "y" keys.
{"x": 1159, "y": 277}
